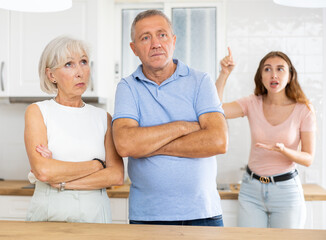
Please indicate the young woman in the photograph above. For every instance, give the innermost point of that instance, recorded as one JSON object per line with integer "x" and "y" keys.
{"x": 69, "y": 143}
{"x": 282, "y": 124}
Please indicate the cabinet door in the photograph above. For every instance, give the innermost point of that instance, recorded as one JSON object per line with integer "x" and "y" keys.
{"x": 30, "y": 32}
{"x": 315, "y": 218}
{"x": 14, "y": 207}
{"x": 119, "y": 210}
{"x": 4, "y": 52}
{"x": 229, "y": 208}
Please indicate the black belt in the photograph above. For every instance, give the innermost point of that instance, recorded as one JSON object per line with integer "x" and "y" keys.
{"x": 283, "y": 177}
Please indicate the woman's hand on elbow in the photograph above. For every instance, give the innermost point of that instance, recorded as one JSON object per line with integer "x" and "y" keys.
{"x": 42, "y": 173}
{"x": 44, "y": 151}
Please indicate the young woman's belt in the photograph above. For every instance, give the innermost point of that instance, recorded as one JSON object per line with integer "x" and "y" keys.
{"x": 268, "y": 179}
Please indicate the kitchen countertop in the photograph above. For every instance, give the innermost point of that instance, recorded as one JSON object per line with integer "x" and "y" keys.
{"x": 85, "y": 231}
{"x": 312, "y": 192}
{"x": 14, "y": 188}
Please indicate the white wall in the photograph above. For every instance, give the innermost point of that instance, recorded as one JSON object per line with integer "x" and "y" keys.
{"x": 13, "y": 159}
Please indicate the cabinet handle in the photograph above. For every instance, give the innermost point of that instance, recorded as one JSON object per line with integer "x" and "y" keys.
{"x": 1, "y": 76}
{"x": 116, "y": 72}
{"x": 91, "y": 77}
{"x": 116, "y": 68}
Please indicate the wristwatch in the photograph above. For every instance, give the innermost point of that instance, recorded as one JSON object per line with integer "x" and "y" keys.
{"x": 62, "y": 186}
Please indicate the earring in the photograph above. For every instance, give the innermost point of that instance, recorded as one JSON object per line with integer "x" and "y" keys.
{"x": 54, "y": 81}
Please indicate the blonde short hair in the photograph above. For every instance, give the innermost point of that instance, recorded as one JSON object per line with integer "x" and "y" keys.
{"x": 55, "y": 55}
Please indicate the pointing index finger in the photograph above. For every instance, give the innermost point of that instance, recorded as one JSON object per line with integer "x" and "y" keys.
{"x": 230, "y": 52}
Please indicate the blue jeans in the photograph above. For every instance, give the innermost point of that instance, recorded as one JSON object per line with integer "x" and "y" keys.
{"x": 216, "y": 221}
{"x": 275, "y": 205}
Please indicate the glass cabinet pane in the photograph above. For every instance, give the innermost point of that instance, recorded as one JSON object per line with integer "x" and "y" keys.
{"x": 129, "y": 60}
{"x": 195, "y": 29}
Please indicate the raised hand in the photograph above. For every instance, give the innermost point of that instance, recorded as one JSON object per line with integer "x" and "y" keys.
{"x": 227, "y": 63}
{"x": 278, "y": 147}
{"x": 44, "y": 151}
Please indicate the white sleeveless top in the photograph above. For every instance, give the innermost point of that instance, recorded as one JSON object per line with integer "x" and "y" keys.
{"x": 74, "y": 134}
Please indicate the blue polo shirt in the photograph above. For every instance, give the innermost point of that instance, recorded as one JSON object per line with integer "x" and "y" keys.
{"x": 168, "y": 188}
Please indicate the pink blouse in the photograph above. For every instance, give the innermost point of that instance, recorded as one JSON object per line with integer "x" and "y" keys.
{"x": 265, "y": 162}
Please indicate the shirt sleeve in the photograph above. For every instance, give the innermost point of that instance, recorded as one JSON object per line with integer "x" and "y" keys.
{"x": 308, "y": 123}
{"x": 125, "y": 103}
{"x": 244, "y": 103}
{"x": 207, "y": 99}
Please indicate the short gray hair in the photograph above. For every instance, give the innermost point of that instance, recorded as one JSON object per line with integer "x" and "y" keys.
{"x": 55, "y": 55}
{"x": 146, "y": 14}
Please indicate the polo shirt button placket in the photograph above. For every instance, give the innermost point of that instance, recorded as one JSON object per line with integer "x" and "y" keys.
{"x": 157, "y": 91}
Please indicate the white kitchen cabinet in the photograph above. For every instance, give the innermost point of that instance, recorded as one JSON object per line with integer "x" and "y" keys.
{"x": 14, "y": 207}
{"x": 229, "y": 208}
{"x": 119, "y": 210}
{"x": 4, "y": 52}
{"x": 30, "y": 32}
{"x": 315, "y": 218}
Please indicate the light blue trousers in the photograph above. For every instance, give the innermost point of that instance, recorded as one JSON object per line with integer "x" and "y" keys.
{"x": 50, "y": 204}
{"x": 275, "y": 205}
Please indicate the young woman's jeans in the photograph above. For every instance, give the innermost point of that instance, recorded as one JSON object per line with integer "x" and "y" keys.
{"x": 216, "y": 221}
{"x": 275, "y": 205}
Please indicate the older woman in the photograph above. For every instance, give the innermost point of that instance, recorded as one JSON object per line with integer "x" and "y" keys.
{"x": 69, "y": 143}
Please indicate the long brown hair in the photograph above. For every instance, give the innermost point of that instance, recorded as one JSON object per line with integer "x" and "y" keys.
{"x": 292, "y": 89}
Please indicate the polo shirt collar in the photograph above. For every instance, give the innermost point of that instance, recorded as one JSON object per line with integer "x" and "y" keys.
{"x": 181, "y": 71}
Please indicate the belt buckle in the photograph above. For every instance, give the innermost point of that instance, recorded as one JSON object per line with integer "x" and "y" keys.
{"x": 264, "y": 179}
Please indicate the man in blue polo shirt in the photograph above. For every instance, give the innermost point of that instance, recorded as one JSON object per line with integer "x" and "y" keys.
{"x": 169, "y": 121}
